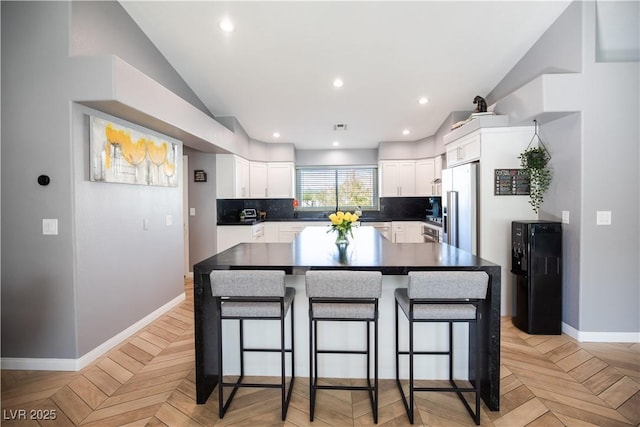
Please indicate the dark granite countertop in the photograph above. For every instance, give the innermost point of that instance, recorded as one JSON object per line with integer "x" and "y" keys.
{"x": 315, "y": 248}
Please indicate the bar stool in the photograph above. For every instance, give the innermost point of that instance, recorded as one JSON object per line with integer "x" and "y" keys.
{"x": 442, "y": 296}
{"x": 254, "y": 295}
{"x": 350, "y": 296}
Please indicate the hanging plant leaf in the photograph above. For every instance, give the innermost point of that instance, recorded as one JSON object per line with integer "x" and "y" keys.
{"x": 535, "y": 163}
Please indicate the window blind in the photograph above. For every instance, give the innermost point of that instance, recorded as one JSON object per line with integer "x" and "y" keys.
{"x": 337, "y": 188}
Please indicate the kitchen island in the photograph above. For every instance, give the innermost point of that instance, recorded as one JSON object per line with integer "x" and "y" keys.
{"x": 314, "y": 248}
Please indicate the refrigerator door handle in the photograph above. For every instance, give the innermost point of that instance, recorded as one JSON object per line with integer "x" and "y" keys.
{"x": 452, "y": 218}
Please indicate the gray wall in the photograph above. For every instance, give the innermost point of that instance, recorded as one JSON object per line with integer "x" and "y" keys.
{"x": 595, "y": 163}
{"x": 336, "y": 157}
{"x": 202, "y": 197}
{"x": 105, "y": 27}
{"x": 37, "y": 274}
{"x": 123, "y": 272}
{"x": 64, "y": 295}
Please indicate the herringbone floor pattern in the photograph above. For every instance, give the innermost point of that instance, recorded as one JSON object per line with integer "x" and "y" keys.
{"x": 149, "y": 381}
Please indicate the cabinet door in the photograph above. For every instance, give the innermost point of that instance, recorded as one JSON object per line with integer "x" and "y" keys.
{"x": 397, "y": 178}
{"x": 271, "y": 232}
{"x": 413, "y": 233}
{"x": 231, "y": 235}
{"x": 225, "y": 176}
{"x": 242, "y": 177}
{"x": 280, "y": 180}
{"x": 471, "y": 149}
{"x": 397, "y": 232}
{"x": 437, "y": 186}
{"x": 388, "y": 179}
{"x": 407, "y": 178}
{"x": 257, "y": 180}
{"x": 425, "y": 175}
{"x": 463, "y": 151}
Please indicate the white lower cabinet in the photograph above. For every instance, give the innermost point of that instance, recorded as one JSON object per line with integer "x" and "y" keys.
{"x": 271, "y": 232}
{"x": 231, "y": 235}
{"x": 406, "y": 232}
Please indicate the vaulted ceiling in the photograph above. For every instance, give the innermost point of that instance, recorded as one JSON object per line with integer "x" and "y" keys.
{"x": 275, "y": 71}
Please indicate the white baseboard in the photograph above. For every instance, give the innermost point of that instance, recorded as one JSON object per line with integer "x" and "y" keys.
{"x": 45, "y": 364}
{"x": 583, "y": 336}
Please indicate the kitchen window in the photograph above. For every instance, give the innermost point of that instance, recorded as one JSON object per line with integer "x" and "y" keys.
{"x": 329, "y": 188}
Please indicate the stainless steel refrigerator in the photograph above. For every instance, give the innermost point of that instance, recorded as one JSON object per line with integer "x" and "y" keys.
{"x": 460, "y": 202}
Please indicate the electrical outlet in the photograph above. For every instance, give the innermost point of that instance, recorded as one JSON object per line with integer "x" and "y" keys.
{"x": 146, "y": 223}
{"x": 565, "y": 217}
{"x": 192, "y": 211}
{"x": 168, "y": 220}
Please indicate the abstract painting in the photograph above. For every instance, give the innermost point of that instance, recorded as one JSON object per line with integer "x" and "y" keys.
{"x": 125, "y": 155}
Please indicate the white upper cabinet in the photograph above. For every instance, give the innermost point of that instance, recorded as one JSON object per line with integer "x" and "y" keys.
{"x": 425, "y": 177}
{"x": 465, "y": 150}
{"x": 238, "y": 178}
{"x": 232, "y": 177}
{"x": 405, "y": 178}
{"x": 397, "y": 178}
{"x": 280, "y": 180}
{"x": 257, "y": 180}
{"x": 437, "y": 186}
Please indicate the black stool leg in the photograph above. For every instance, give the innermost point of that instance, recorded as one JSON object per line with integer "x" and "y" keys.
{"x": 411, "y": 367}
{"x": 375, "y": 368}
{"x": 478, "y": 371}
{"x": 220, "y": 372}
{"x": 282, "y": 363}
{"x": 313, "y": 369}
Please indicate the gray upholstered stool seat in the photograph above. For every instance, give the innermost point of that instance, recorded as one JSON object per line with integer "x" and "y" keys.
{"x": 442, "y": 296}
{"x": 350, "y": 296}
{"x": 253, "y": 295}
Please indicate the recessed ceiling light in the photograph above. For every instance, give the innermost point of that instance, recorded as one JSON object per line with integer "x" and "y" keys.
{"x": 406, "y": 132}
{"x": 335, "y": 143}
{"x": 338, "y": 83}
{"x": 226, "y": 25}
{"x": 276, "y": 134}
{"x": 423, "y": 100}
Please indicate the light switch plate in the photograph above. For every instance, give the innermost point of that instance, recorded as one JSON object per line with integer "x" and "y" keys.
{"x": 146, "y": 223}
{"x": 168, "y": 220}
{"x": 50, "y": 227}
{"x": 192, "y": 211}
{"x": 565, "y": 217}
{"x": 603, "y": 218}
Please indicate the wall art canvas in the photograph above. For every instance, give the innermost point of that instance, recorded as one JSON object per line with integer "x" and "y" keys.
{"x": 126, "y": 155}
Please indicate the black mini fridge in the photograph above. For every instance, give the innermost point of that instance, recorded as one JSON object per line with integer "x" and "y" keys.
{"x": 536, "y": 262}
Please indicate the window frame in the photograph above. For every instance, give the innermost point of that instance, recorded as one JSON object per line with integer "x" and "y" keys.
{"x": 337, "y": 170}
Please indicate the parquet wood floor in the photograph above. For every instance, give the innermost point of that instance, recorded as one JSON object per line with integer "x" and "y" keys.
{"x": 149, "y": 381}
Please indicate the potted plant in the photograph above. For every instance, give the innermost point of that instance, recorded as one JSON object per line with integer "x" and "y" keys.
{"x": 535, "y": 162}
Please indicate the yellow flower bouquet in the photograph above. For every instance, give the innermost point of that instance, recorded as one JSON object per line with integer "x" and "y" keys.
{"x": 341, "y": 223}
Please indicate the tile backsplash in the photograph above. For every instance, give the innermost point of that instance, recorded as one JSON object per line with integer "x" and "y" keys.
{"x": 390, "y": 207}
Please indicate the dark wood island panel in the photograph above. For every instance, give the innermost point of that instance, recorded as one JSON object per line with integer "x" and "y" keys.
{"x": 315, "y": 249}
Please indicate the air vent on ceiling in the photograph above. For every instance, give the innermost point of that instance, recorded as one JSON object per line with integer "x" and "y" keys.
{"x": 340, "y": 126}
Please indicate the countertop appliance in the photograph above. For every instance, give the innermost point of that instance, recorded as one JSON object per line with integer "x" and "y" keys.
{"x": 536, "y": 261}
{"x": 248, "y": 214}
{"x": 460, "y": 185}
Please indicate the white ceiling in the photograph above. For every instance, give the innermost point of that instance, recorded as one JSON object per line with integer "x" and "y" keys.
{"x": 275, "y": 71}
